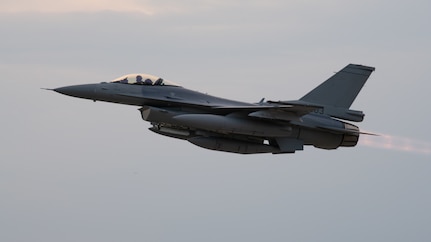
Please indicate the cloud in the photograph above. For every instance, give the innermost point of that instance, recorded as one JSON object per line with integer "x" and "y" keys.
{"x": 52, "y": 6}
{"x": 149, "y": 7}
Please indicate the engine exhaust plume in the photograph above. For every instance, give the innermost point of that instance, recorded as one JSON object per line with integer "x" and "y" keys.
{"x": 396, "y": 143}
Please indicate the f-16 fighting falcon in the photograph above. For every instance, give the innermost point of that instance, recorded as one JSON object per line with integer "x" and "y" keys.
{"x": 318, "y": 118}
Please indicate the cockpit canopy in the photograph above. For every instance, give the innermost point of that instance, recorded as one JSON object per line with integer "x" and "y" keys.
{"x": 144, "y": 79}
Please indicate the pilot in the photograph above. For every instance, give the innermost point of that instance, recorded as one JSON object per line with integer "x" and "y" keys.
{"x": 139, "y": 80}
{"x": 148, "y": 82}
{"x": 159, "y": 81}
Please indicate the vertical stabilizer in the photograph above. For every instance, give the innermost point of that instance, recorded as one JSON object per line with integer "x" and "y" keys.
{"x": 341, "y": 89}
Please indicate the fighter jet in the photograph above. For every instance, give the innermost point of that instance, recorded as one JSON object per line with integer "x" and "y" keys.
{"x": 277, "y": 127}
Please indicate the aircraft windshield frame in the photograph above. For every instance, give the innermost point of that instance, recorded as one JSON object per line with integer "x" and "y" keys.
{"x": 143, "y": 79}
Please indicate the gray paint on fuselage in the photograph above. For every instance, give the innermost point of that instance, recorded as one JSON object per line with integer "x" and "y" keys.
{"x": 240, "y": 127}
{"x": 143, "y": 95}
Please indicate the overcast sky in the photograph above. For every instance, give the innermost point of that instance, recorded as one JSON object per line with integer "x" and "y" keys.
{"x": 75, "y": 170}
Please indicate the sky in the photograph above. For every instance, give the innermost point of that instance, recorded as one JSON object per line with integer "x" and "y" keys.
{"x": 77, "y": 170}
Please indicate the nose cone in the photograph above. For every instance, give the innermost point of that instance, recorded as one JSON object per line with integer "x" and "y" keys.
{"x": 82, "y": 91}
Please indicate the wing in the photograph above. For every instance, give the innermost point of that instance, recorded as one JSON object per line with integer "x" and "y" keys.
{"x": 277, "y": 111}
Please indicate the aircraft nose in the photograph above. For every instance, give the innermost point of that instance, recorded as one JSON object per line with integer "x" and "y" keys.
{"x": 82, "y": 91}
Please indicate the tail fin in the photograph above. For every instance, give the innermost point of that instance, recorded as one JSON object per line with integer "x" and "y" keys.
{"x": 341, "y": 89}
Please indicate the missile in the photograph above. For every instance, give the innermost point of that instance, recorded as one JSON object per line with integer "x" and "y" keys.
{"x": 171, "y": 132}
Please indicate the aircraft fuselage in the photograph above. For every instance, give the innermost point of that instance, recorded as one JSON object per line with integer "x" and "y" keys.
{"x": 233, "y": 126}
